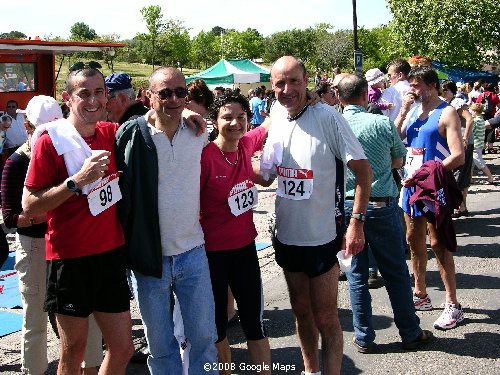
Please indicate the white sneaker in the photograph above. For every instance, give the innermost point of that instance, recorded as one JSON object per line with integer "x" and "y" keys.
{"x": 450, "y": 317}
{"x": 422, "y": 304}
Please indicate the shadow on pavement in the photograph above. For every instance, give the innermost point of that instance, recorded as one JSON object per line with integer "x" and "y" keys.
{"x": 464, "y": 281}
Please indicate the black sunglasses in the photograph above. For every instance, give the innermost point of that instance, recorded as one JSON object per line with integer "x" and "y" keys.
{"x": 180, "y": 92}
{"x": 12, "y": 106}
{"x": 85, "y": 65}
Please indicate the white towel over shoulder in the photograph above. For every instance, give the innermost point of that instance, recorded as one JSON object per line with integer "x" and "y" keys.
{"x": 69, "y": 143}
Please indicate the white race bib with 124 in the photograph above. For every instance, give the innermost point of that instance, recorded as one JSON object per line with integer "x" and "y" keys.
{"x": 414, "y": 160}
{"x": 295, "y": 184}
{"x": 105, "y": 194}
{"x": 242, "y": 197}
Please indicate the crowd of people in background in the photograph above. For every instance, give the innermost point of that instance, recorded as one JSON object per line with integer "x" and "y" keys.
{"x": 177, "y": 218}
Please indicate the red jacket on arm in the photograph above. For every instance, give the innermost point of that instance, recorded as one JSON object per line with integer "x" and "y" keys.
{"x": 437, "y": 195}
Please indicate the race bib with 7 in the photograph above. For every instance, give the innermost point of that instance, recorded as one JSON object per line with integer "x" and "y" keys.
{"x": 105, "y": 194}
{"x": 242, "y": 197}
{"x": 295, "y": 184}
{"x": 414, "y": 160}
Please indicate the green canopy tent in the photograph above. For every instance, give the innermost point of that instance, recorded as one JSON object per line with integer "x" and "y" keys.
{"x": 232, "y": 71}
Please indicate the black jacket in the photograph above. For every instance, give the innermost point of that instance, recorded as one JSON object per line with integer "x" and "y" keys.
{"x": 136, "y": 157}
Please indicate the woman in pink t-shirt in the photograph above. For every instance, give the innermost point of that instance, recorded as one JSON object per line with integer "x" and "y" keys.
{"x": 228, "y": 195}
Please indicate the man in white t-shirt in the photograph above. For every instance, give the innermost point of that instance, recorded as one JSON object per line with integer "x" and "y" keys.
{"x": 16, "y": 135}
{"x": 316, "y": 143}
{"x": 397, "y": 70}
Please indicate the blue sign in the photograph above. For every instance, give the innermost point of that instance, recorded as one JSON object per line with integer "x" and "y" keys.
{"x": 358, "y": 60}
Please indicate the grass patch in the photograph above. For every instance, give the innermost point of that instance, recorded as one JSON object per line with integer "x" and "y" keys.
{"x": 139, "y": 72}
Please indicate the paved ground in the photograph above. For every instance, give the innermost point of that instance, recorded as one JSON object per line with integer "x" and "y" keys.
{"x": 472, "y": 348}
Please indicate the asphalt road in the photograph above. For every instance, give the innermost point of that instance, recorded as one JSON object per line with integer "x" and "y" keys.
{"x": 471, "y": 348}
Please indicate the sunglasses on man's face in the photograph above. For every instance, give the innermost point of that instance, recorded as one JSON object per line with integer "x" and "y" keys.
{"x": 84, "y": 65}
{"x": 12, "y": 106}
{"x": 180, "y": 92}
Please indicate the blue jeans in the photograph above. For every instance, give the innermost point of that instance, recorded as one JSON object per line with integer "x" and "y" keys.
{"x": 384, "y": 235}
{"x": 188, "y": 276}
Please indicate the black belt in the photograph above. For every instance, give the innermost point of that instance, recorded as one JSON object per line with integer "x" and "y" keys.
{"x": 374, "y": 199}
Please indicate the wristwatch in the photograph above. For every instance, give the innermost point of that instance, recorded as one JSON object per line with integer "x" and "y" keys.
{"x": 73, "y": 187}
{"x": 360, "y": 217}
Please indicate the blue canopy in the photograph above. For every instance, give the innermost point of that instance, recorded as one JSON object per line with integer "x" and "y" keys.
{"x": 464, "y": 75}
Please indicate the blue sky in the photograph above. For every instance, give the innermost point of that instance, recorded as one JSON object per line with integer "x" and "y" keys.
{"x": 55, "y": 17}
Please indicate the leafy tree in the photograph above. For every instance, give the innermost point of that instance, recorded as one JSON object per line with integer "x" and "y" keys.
{"x": 299, "y": 43}
{"x": 155, "y": 25}
{"x": 205, "y": 49}
{"x": 109, "y": 57}
{"x": 247, "y": 44}
{"x": 176, "y": 43}
{"x": 459, "y": 32}
{"x": 377, "y": 47}
{"x": 335, "y": 50}
{"x": 13, "y": 35}
{"x": 217, "y": 30}
{"x": 80, "y": 31}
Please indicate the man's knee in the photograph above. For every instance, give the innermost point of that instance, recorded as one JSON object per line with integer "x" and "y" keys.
{"x": 327, "y": 321}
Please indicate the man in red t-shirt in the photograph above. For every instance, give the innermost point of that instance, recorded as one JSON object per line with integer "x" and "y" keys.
{"x": 72, "y": 177}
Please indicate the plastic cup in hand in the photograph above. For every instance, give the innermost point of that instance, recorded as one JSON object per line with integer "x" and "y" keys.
{"x": 344, "y": 263}
{"x": 98, "y": 152}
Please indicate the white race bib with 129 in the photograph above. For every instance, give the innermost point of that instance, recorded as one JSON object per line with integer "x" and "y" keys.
{"x": 414, "y": 160}
{"x": 295, "y": 184}
{"x": 105, "y": 194}
{"x": 242, "y": 197}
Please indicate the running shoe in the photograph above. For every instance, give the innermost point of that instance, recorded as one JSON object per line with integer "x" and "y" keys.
{"x": 450, "y": 317}
{"x": 422, "y": 304}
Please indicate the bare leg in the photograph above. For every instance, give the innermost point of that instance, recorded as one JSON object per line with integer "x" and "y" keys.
{"x": 463, "y": 206}
{"x": 224, "y": 355}
{"x": 324, "y": 290}
{"x": 446, "y": 266}
{"x": 230, "y": 305}
{"x": 73, "y": 340}
{"x": 260, "y": 353}
{"x": 116, "y": 329}
{"x": 416, "y": 235}
{"x": 488, "y": 174}
{"x": 89, "y": 371}
{"x": 298, "y": 289}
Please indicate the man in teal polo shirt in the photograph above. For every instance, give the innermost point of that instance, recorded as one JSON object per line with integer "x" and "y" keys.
{"x": 383, "y": 229}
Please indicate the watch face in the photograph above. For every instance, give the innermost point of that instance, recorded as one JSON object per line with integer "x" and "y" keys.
{"x": 70, "y": 184}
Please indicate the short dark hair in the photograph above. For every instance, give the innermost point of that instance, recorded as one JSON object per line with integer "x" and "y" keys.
{"x": 199, "y": 92}
{"x": 86, "y": 72}
{"x": 219, "y": 88}
{"x": 425, "y": 74}
{"x": 352, "y": 87}
{"x": 13, "y": 101}
{"x": 400, "y": 66}
{"x": 258, "y": 91}
{"x": 230, "y": 97}
{"x": 450, "y": 85}
{"x": 322, "y": 88}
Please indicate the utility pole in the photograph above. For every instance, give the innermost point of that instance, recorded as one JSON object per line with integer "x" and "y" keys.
{"x": 358, "y": 57}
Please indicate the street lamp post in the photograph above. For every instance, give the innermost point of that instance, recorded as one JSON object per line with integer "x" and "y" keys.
{"x": 358, "y": 57}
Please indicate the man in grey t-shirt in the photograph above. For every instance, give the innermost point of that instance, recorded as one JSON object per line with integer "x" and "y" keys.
{"x": 316, "y": 143}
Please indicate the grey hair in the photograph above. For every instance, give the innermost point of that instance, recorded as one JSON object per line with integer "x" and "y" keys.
{"x": 130, "y": 93}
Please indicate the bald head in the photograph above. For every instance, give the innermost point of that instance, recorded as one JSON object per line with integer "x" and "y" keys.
{"x": 288, "y": 63}
{"x": 353, "y": 89}
{"x": 337, "y": 79}
{"x": 164, "y": 73}
{"x": 289, "y": 81}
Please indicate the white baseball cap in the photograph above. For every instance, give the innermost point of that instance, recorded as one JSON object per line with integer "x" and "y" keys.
{"x": 42, "y": 109}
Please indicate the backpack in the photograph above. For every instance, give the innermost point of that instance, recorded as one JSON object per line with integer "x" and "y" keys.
{"x": 487, "y": 103}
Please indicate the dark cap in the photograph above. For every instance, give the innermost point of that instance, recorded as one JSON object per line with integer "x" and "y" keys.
{"x": 117, "y": 82}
